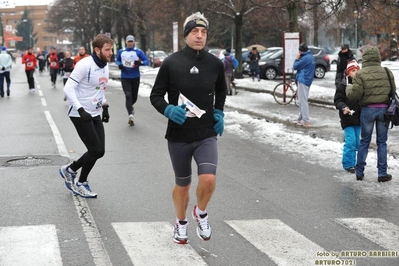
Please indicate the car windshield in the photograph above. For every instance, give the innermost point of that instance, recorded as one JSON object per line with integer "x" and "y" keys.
{"x": 276, "y": 55}
{"x": 159, "y": 54}
{"x": 269, "y": 53}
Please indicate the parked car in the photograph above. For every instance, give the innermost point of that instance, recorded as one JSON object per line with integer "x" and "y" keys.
{"x": 215, "y": 51}
{"x": 334, "y": 57}
{"x": 156, "y": 58}
{"x": 263, "y": 55}
{"x": 272, "y": 66}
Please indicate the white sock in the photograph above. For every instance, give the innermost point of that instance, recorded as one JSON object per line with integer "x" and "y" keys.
{"x": 199, "y": 211}
{"x": 179, "y": 221}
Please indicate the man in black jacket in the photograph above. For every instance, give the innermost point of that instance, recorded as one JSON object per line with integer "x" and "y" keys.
{"x": 195, "y": 83}
{"x": 344, "y": 56}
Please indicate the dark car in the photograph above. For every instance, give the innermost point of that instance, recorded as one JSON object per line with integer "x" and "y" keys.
{"x": 263, "y": 55}
{"x": 272, "y": 66}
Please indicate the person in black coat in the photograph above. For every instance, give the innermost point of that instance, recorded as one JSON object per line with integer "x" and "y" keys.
{"x": 349, "y": 113}
{"x": 344, "y": 56}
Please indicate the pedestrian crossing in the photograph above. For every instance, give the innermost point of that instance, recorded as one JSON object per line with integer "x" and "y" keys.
{"x": 149, "y": 243}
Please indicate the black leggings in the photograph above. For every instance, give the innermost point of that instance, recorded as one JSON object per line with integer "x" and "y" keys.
{"x": 93, "y": 136}
{"x": 31, "y": 80}
{"x": 130, "y": 88}
{"x": 53, "y": 74}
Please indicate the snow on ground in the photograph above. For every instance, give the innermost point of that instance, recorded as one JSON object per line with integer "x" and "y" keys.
{"x": 326, "y": 153}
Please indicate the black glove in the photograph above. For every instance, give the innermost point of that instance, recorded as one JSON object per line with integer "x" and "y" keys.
{"x": 138, "y": 63}
{"x": 105, "y": 113}
{"x": 121, "y": 67}
{"x": 85, "y": 115}
{"x": 3, "y": 68}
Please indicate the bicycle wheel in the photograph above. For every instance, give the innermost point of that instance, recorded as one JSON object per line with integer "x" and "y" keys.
{"x": 283, "y": 93}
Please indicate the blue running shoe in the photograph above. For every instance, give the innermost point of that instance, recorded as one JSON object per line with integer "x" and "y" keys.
{"x": 68, "y": 177}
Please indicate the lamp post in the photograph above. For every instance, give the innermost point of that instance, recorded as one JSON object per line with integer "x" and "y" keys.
{"x": 355, "y": 15}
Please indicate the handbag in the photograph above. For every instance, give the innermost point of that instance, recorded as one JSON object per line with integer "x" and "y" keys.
{"x": 392, "y": 113}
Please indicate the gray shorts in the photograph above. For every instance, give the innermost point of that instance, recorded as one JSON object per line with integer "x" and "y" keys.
{"x": 204, "y": 152}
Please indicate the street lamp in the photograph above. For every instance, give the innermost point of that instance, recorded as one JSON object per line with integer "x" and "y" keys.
{"x": 355, "y": 15}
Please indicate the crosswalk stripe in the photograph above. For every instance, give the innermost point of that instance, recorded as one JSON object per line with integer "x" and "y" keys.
{"x": 278, "y": 241}
{"x": 150, "y": 243}
{"x": 378, "y": 230}
{"x": 29, "y": 245}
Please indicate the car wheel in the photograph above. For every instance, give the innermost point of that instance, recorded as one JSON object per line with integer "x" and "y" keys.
{"x": 319, "y": 72}
{"x": 334, "y": 62}
{"x": 270, "y": 73}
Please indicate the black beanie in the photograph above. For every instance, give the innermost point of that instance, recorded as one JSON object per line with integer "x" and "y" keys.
{"x": 192, "y": 24}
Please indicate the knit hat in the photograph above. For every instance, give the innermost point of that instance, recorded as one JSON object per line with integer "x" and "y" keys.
{"x": 303, "y": 47}
{"x": 228, "y": 49}
{"x": 193, "y": 21}
{"x": 3, "y": 48}
{"x": 345, "y": 46}
{"x": 130, "y": 38}
{"x": 351, "y": 65}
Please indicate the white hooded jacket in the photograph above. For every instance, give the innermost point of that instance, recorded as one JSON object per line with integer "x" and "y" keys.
{"x": 5, "y": 61}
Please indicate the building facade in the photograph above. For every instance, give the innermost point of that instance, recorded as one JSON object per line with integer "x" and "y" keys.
{"x": 11, "y": 16}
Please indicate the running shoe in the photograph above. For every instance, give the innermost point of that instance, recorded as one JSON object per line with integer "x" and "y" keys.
{"x": 84, "y": 190}
{"x": 68, "y": 177}
{"x": 130, "y": 121}
{"x": 204, "y": 230}
{"x": 180, "y": 232}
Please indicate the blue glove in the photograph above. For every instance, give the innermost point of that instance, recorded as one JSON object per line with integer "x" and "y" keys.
{"x": 176, "y": 113}
{"x": 219, "y": 121}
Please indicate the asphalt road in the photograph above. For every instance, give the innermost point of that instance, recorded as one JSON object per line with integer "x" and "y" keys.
{"x": 271, "y": 207}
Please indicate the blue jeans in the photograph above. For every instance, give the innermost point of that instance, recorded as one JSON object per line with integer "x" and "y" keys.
{"x": 368, "y": 117}
{"x": 352, "y": 142}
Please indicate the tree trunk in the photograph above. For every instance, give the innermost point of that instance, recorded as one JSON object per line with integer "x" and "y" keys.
{"x": 293, "y": 16}
{"x": 315, "y": 26}
{"x": 238, "y": 44}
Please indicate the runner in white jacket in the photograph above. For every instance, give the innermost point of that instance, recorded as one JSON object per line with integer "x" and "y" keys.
{"x": 5, "y": 67}
{"x": 85, "y": 91}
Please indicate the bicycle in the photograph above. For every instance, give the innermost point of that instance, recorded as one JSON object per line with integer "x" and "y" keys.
{"x": 284, "y": 93}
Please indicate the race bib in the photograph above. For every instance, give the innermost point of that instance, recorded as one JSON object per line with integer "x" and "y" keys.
{"x": 66, "y": 75}
{"x": 193, "y": 110}
{"x": 29, "y": 64}
{"x": 128, "y": 63}
{"x": 53, "y": 63}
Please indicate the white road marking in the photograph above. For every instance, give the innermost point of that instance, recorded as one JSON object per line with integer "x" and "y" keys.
{"x": 378, "y": 230}
{"x": 278, "y": 241}
{"x": 29, "y": 245}
{"x": 93, "y": 237}
{"x": 150, "y": 243}
{"x": 44, "y": 103}
{"x": 57, "y": 135}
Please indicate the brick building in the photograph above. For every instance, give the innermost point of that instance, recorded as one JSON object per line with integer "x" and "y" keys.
{"x": 11, "y": 16}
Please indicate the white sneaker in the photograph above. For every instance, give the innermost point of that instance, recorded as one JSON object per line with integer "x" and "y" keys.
{"x": 130, "y": 121}
{"x": 204, "y": 230}
{"x": 84, "y": 190}
{"x": 180, "y": 233}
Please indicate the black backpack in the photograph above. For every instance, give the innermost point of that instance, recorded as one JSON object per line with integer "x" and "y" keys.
{"x": 392, "y": 113}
